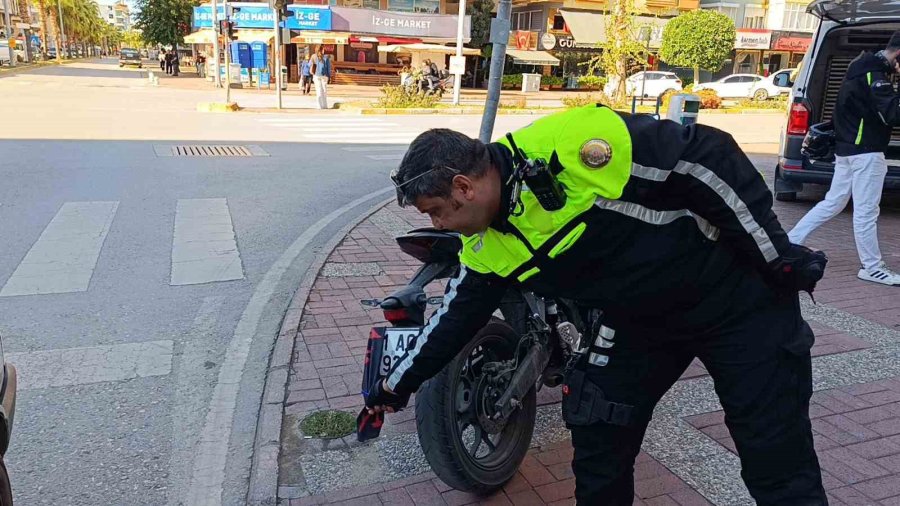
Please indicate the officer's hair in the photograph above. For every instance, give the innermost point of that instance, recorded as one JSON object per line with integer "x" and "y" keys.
{"x": 439, "y": 148}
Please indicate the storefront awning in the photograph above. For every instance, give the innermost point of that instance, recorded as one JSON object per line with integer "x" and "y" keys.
{"x": 586, "y": 27}
{"x": 532, "y": 57}
{"x": 255, "y": 35}
{"x": 428, "y": 48}
{"x": 317, "y": 37}
{"x": 200, "y": 37}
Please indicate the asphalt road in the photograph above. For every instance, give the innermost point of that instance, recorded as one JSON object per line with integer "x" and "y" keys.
{"x": 136, "y": 388}
{"x": 140, "y": 292}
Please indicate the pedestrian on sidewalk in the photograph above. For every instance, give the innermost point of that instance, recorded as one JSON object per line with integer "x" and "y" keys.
{"x": 200, "y": 63}
{"x": 175, "y": 64}
{"x": 169, "y": 57}
{"x": 667, "y": 229}
{"x": 321, "y": 70}
{"x": 867, "y": 109}
{"x": 162, "y": 61}
{"x": 305, "y": 77}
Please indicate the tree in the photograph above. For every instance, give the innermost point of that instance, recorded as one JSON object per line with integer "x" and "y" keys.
{"x": 621, "y": 48}
{"x": 164, "y": 22}
{"x": 133, "y": 39}
{"x": 480, "y": 10}
{"x": 701, "y": 39}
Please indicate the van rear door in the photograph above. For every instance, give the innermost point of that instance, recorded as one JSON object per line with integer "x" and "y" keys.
{"x": 855, "y": 11}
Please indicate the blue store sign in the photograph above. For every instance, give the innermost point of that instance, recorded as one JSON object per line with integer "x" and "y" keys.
{"x": 261, "y": 16}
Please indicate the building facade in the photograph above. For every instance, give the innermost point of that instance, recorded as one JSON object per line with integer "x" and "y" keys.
{"x": 117, "y": 14}
{"x": 771, "y": 34}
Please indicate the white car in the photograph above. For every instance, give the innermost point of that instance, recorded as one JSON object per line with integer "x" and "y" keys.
{"x": 776, "y": 84}
{"x": 733, "y": 86}
{"x": 655, "y": 85}
{"x": 4, "y": 53}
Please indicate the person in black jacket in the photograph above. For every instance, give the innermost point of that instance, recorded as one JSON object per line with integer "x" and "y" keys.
{"x": 669, "y": 230}
{"x": 867, "y": 109}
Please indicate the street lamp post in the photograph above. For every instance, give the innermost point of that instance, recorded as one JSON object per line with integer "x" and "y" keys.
{"x": 227, "y": 58}
{"x": 457, "y": 79}
{"x": 499, "y": 38}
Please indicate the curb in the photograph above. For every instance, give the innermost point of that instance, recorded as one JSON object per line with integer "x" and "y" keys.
{"x": 264, "y": 467}
{"x": 461, "y": 111}
{"x": 28, "y": 67}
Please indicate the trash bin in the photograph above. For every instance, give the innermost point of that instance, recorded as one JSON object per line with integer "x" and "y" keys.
{"x": 234, "y": 71}
{"x": 284, "y": 77}
{"x": 531, "y": 82}
{"x": 683, "y": 108}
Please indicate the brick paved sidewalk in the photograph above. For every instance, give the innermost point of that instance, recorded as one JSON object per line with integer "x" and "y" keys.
{"x": 855, "y": 410}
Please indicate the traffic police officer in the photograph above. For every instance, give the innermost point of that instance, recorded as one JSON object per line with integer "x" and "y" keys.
{"x": 670, "y": 231}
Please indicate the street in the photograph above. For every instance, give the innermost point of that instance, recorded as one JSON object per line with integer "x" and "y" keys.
{"x": 127, "y": 355}
{"x": 142, "y": 285}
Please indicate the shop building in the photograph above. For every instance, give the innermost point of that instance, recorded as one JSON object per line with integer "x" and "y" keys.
{"x": 367, "y": 45}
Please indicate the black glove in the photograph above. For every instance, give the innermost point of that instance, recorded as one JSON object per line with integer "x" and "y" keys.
{"x": 798, "y": 270}
{"x": 378, "y": 396}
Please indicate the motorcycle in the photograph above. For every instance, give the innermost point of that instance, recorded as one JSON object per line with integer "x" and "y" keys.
{"x": 475, "y": 419}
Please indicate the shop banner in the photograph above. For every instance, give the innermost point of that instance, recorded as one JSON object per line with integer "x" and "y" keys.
{"x": 753, "y": 39}
{"x": 261, "y": 16}
{"x": 789, "y": 41}
{"x": 398, "y": 24}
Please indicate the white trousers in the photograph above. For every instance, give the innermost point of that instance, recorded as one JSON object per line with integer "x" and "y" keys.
{"x": 861, "y": 176}
{"x": 321, "y": 83}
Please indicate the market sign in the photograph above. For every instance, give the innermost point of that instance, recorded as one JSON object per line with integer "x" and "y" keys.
{"x": 398, "y": 24}
{"x": 261, "y": 16}
{"x": 752, "y": 39}
{"x": 788, "y": 41}
{"x": 563, "y": 43}
{"x": 548, "y": 41}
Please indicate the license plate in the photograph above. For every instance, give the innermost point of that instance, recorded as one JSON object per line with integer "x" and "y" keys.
{"x": 396, "y": 342}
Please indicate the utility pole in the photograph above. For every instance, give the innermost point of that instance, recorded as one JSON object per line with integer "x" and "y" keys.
{"x": 216, "y": 32}
{"x": 9, "y": 37}
{"x": 276, "y": 60}
{"x": 499, "y": 38}
{"x": 227, "y": 56}
{"x": 457, "y": 79}
{"x": 62, "y": 32}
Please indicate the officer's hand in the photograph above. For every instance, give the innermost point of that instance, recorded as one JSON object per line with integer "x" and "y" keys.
{"x": 381, "y": 398}
{"x": 799, "y": 269}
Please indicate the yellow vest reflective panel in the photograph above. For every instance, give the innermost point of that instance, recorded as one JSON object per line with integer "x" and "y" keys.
{"x": 567, "y": 134}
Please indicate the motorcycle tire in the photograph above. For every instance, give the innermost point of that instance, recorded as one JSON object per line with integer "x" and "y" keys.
{"x": 6, "y": 498}
{"x": 439, "y": 432}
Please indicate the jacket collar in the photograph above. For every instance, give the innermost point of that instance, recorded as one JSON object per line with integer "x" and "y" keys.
{"x": 502, "y": 159}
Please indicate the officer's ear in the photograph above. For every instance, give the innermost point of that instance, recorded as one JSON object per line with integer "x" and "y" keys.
{"x": 464, "y": 186}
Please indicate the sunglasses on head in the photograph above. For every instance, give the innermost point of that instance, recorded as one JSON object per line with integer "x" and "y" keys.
{"x": 398, "y": 184}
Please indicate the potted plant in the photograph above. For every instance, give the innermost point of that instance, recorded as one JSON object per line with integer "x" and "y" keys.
{"x": 511, "y": 81}
{"x": 591, "y": 83}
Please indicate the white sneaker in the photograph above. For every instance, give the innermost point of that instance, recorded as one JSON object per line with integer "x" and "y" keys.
{"x": 881, "y": 274}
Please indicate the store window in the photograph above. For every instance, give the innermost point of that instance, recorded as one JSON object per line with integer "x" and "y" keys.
{"x": 424, "y": 6}
{"x": 796, "y": 18}
{"x": 729, "y": 10}
{"x": 559, "y": 23}
{"x": 754, "y": 17}
{"x": 361, "y": 52}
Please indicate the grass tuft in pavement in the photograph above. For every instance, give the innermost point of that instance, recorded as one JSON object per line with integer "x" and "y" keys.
{"x": 328, "y": 424}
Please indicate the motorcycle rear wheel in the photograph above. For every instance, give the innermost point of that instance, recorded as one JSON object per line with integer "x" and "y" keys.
{"x": 463, "y": 453}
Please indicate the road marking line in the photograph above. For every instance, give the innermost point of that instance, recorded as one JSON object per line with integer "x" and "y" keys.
{"x": 63, "y": 258}
{"x": 350, "y": 130}
{"x": 93, "y": 364}
{"x": 204, "y": 249}
{"x": 208, "y": 477}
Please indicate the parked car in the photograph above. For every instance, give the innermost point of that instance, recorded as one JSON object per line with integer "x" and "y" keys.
{"x": 128, "y": 56}
{"x": 656, "y": 84}
{"x": 51, "y": 52}
{"x": 4, "y": 53}
{"x": 8, "y": 384}
{"x": 777, "y": 83}
{"x": 847, "y": 28}
{"x": 733, "y": 86}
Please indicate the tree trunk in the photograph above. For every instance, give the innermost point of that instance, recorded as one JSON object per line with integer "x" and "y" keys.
{"x": 696, "y": 75}
{"x": 54, "y": 20}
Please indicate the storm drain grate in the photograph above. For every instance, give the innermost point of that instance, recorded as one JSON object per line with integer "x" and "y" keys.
{"x": 220, "y": 150}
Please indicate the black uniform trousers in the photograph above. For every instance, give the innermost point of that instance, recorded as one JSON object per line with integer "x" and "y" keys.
{"x": 759, "y": 359}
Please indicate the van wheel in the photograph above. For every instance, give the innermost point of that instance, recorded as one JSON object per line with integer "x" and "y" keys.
{"x": 761, "y": 95}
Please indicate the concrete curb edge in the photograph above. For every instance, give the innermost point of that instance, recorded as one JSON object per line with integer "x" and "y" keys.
{"x": 264, "y": 468}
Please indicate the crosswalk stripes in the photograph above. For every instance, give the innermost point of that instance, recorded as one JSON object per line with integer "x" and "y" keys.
{"x": 344, "y": 129}
{"x": 63, "y": 258}
{"x": 65, "y": 255}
